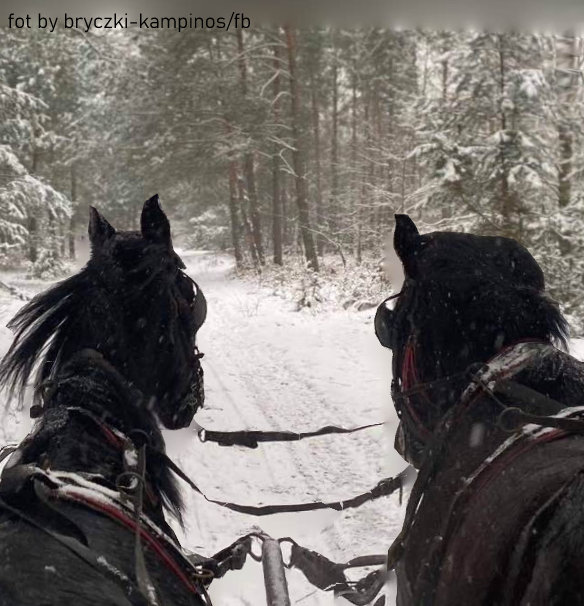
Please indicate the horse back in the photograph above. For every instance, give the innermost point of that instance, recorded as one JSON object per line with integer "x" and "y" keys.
{"x": 517, "y": 538}
{"x": 551, "y": 565}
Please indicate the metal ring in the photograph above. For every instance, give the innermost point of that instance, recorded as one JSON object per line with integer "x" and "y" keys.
{"x": 129, "y": 474}
{"x": 205, "y": 574}
{"x": 510, "y": 419}
{"x": 252, "y": 555}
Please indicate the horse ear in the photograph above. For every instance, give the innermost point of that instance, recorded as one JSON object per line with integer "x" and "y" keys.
{"x": 99, "y": 229}
{"x": 154, "y": 223}
{"x": 404, "y": 236}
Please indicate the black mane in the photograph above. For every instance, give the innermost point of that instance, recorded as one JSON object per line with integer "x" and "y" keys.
{"x": 43, "y": 328}
{"x": 464, "y": 299}
{"x": 468, "y": 297}
{"x": 47, "y": 329}
{"x": 113, "y": 358}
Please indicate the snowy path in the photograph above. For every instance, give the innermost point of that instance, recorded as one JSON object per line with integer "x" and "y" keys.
{"x": 269, "y": 367}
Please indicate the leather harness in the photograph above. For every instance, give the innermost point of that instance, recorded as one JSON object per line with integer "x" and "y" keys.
{"x": 491, "y": 379}
{"x": 124, "y": 506}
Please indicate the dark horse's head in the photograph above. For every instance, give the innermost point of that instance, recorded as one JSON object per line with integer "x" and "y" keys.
{"x": 464, "y": 298}
{"x": 133, "y": 304}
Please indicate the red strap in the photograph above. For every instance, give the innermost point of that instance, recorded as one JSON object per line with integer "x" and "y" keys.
{"x": 115, "y": 513}
{"x": 409, "y": 380}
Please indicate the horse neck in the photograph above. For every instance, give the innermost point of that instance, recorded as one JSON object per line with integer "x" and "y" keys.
{"x": 546, "y": 370}
{"x": 89, "y": 416}
{"x": 436, "y": 390}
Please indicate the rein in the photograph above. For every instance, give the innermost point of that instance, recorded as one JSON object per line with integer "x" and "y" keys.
{"x": 251, "y": 438}
{"x": 384, "y": 487}
{"x": 127, "y": 507}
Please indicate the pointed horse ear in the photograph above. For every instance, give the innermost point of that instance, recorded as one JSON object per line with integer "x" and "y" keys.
{"x": 154, "y": 223}
{"x": 404, "y": 237}
{"x": 99, "y": 229}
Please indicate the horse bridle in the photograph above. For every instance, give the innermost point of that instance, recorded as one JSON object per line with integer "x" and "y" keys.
{"x": 383, "y": 325}
{"x": 403, "y": 365}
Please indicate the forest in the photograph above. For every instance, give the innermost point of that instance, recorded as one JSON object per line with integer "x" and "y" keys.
{"x": 280, "y": 144}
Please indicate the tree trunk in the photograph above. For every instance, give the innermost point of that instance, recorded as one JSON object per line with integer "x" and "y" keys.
{"x": 444, "y": 63}
{"x": 298, "y": 156}
{"x": 276, "y": 200}
{"x": 378, "y": 167}
{"x": 568, "y": 55}
{"x": 252, "y": 199}
{"x": 234, "y": 215}
{"x": 334, "y": 191}
{"x": 32, "y": 227}
{"x": 234, "y": 202}
{"x": 32, "y": 221}
{"x": 317, "y": 169}
{"x": 354, "y": 184}
{"x": 370, "y": 216}
{"x": 71, "y": 232}
{"x": 286, "y": 239}
{"x": 507, "y": 202}
{"x": 387, "y": 136}
{"x": 245, "y": 220}
{"x": 248, "y": 160}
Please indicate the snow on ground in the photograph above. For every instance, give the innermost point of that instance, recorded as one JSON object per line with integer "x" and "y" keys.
{"x": 270, "y": 367}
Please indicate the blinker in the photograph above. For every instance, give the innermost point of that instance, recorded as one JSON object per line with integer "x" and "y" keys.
{"x": 385, "y": 325}
{"x": 199, "y": 306}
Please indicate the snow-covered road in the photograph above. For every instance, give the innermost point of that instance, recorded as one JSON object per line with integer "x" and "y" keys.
{"x": 270, "y": 367}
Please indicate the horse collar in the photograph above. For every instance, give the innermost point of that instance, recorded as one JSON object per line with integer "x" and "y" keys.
{"x": 506, "y": 363}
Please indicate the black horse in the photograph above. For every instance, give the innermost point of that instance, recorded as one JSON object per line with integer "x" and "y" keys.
{"x": 488, "y": 403}
{"x": 82, "y": 498}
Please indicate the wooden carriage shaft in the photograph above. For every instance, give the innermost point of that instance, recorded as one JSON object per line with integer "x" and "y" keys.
{"x": 274, "y": 574}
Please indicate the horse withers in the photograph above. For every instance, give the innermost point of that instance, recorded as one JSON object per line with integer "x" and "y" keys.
{"x": 488, "y": 401}
{"x": 82, "y": 498}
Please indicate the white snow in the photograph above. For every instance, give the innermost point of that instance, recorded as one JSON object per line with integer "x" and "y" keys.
{"x": 270, "y": 367}
{"x": 102, "y": 560}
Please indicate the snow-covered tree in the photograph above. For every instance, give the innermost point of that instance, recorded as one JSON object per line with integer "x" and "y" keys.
{"x": 33, "y": 211}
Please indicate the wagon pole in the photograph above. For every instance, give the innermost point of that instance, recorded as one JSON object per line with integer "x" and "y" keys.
{"x": 274, "y": 573}
{"x": 273, "y": 567}
{"x": 318, "y": 570}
